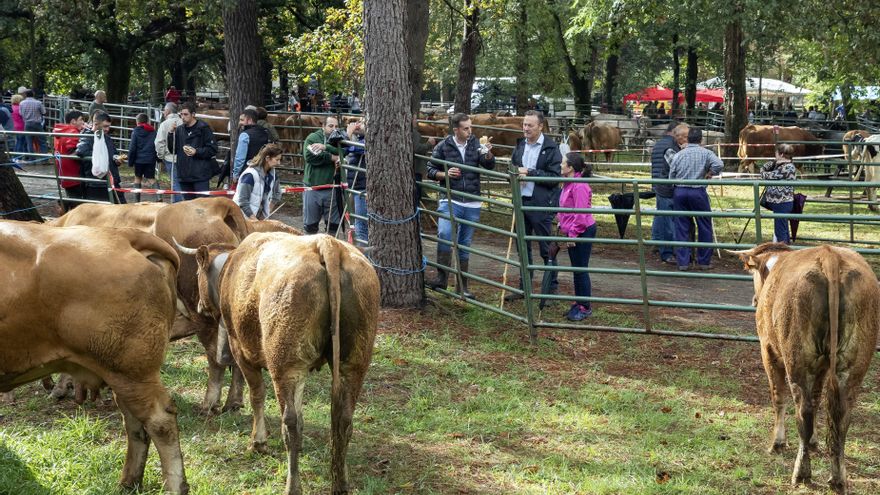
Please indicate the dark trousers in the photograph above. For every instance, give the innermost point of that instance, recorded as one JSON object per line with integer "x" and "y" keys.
{"x": 580, "y": 257}
{"x": 540, "y": 223}
{"x": 200, "y": 185}
{"x": 780, "y": 225}
{"x": 692, "y": 199}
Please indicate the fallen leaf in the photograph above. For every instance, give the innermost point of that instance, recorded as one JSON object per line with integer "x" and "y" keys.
{"x": 400, "y": 362}
{"x": 663, "y": 477}
{"x": 531, "y": 469}
{"x": 698, "y": 415}
{"x": 666, "y": 409}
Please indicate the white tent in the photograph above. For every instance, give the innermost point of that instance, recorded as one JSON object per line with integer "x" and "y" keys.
{"x": 769, "y": 87}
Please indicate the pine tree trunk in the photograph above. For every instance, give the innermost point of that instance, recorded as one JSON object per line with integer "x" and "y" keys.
{"x": 467, "y": 64}
{"x": 156, "y": 67}
{"x": 521, "y": 64}
{"x": 611, "y": 69}
{"x": 735, "y": 112}
{"x": 13, "y": 197}
{"x": 390, "y": 190}
{"x": 581, "y": 86}
{"x": 417, "y": 27}
{"x": 690, "y": 79}
{"x": 244, "y": 60}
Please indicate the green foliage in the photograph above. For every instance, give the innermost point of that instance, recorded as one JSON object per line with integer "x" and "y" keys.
{"x": 334, "y": 52}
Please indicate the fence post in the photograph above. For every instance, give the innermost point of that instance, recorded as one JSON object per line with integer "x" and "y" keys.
{"x": 641, "y": 239}
{"x": 522, "y": 249}
{"x": 849, "y": 167}
{"x": 759, "y": 239}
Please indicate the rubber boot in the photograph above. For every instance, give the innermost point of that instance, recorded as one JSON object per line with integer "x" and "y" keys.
{"x": 464, "y": 265}
{"x": 443, "y": 258}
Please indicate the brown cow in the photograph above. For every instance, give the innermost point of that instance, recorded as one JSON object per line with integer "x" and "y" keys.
{"x": 201, "y": 221}
{"x": 756, "y": 141}
{"x": 599, "y": 136}
{"x": 818, "y": 310}
{"x": 291, "y": 304}
{"x": 65, "y": 306}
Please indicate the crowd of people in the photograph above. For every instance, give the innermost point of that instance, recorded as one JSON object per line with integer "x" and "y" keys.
{"x": 187, "y": 147}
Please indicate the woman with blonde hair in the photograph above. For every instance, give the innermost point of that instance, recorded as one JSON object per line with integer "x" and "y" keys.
{"x": 18, "y": 125}
{"x": 780, "y": 199}
{"x": 258, "y": 184}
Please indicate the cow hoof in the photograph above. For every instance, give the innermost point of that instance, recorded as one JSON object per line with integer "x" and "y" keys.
{"x": 837, "y": 486}
{"x": 130, "y": 485}
{"x": 801, "y": 479}
{"x": 260, "y": 447}
{"x": 814, "y": 446}
{"x": 208, "y": 411}
{"x": 777, "y": 448}
{"x": 232, "y": 407}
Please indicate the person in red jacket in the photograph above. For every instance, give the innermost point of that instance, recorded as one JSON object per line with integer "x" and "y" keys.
{"x": 69, "y": 167}
{"x": 172, "y": 95}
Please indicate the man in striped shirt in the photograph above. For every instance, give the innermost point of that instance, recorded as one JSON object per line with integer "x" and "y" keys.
{"x": 32, "y": 113}
{"x": 693, "y": 163}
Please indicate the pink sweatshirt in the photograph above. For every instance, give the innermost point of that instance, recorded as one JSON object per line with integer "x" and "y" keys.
{"x": 17, "y": 121}
{"x": 575, "y": 195}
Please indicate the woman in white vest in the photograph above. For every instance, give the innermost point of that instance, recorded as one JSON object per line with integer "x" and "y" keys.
{"x": 258, "y": 185}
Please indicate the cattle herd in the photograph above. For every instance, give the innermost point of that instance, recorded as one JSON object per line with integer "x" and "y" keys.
{"x": 100, "y": 292}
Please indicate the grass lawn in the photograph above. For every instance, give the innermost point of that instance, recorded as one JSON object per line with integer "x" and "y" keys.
{"x": 457, "y": 401}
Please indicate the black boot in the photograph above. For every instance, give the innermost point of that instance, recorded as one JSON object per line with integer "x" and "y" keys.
{"x": 463, "y": 265}
{"x": 443, "y": 258}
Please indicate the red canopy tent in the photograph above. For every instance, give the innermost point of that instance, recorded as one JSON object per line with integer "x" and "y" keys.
{"x": 659, "y": 93}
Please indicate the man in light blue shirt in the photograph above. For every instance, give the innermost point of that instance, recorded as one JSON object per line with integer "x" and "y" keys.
{"x": 693, "y": 163}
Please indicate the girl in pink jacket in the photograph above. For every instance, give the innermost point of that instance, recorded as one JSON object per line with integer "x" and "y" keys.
{"x": 578, "y": 226}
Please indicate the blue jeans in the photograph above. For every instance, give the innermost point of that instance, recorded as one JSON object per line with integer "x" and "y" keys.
{"x": 21, "y": 145}
{"x": 40, "y": 140}
{"x": 692, "y": 199}
{"x": 175, "y": 184}
{"x": 580, "y": 257}
{"x": 200, "y": 185}
{"x": 361, "y": 226}
{"x": 780, "y": 225}
{"x": 663, "y": 227}
{"x": 465, "y": 232}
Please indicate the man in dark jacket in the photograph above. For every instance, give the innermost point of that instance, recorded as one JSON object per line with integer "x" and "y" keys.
{"x": 142, "y": 153}
{"x": 537, "y": 156}
{"x": 464, "y": 148}
{"x": 195, "y": 147}
{"x": 85, "y": 148}
{"x": 251, "y": 139}
{"x": 661, "y": 154}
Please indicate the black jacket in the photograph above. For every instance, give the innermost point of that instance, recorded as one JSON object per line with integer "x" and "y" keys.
{"x": 659, "y": 165}
{"x": 142, "y": 149}
{"x": 549, "y": 165}
{"x": 468, "y": 182}
{"x": 201, "y": 166}
{"x": 354, "y": 156}
{"x": 95, "y": 190}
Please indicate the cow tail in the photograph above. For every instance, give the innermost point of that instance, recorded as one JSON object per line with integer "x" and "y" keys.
{"x": 331, "y": 257}
{"x": 831, "y": 267}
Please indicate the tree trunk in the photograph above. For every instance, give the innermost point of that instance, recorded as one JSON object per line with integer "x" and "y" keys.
{"x": 244, "y": 60}
{"x": 283, "y": 81}
{"x": 845, "y": 99}
{"x": 118, "y": 75}
{"x": 611, "y": 69}
{"x": 676, "y": 76}
{"x": 581, "y": 86}
{"x": 521, "y": 64}
{"x": 13, "y": 197}
{"x": 417, "y": 27}
{"x": 735, "y": 111}
{"x": 266, "y": 68}
{"x": 156, "y": 70}
{"x": 467, "y": 64}
{"x": 389, "y": 149}
{"x": 690, "y": 79}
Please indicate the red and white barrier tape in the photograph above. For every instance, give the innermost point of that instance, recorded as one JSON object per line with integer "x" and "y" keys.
{"x": 229, "y": 192}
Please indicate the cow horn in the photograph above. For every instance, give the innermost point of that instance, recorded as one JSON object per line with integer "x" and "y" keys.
{"x": 183, "y": 249}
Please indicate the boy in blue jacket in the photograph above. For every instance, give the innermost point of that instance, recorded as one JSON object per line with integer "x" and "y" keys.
{"x": 142, "y": 153}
